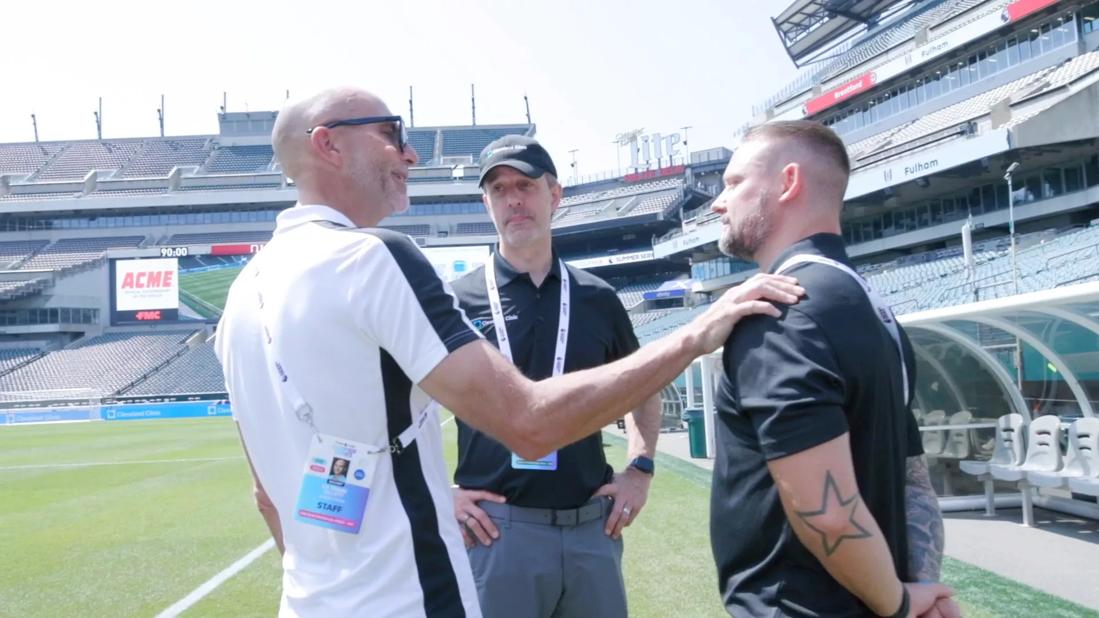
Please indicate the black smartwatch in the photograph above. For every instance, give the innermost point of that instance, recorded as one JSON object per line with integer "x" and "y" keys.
{"x": 643, "y": 464}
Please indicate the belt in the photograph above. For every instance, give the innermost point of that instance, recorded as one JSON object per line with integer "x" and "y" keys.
{"x": 548, "y": 517}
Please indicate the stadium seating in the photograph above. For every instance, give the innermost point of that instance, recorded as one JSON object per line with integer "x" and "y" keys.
{"x": 581, "y": 213}
{"x": 234, "y": 187}
{"x": 12, "y": 290}
{"x": 472, "y": 140}
{"x": 196, "y": 371}
{"x": 411, "y": 230}
{"x": 631, "y": 295}
{"x": 78, "y": 158}
{"x": 423, "y": 142}
{"x": 1081, "y": 457}
{"x": 641, "y": 319}
{"x": 1043, "y": 454}
{"x": 240, "y": 160}
{"x": 102, "y": 365}
{"x": 475, "y": 227}
{"x": 1057, "y": 259}
{"x": 158, "y": 157}
{"x": 877, "y": 44}
{"x": 877, "y": 147}
{"x": 667, "y": 323}
{"x": 658, "y": 202}
{"x": 624, "y": 190}
{"x": 939, "y": 278}
{"x": 48, "y": 195}
{"x": 624, "y": 201}
{"x": 99, "y": 192}
{"x": 26, "y": 158}
{"x": 934, "y": 441}
{"x": 10, "y": 358}
{"x": 14, "y": 252}
{"x": 73, "y": 252}
{"x": 1007, "y": 453}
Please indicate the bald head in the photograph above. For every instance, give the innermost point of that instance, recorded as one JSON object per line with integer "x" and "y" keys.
{"x": 816, "y": 149}
{"x": 289, "y": 138}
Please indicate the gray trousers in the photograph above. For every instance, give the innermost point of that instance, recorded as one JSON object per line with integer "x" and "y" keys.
{"x": 548, "y": 571}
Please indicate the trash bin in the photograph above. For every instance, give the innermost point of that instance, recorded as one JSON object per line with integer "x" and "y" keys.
{"x": 696, "y": 432}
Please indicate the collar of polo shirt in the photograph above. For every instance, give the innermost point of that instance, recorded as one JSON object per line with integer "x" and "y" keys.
{"x": 306, "y": 213}
{"x": 506, "y": 273}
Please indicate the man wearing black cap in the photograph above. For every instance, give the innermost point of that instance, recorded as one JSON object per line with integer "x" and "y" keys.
{"x": 545, "y": 535}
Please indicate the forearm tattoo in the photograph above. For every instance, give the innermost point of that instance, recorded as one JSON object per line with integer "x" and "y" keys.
{"x": 831, "y": 503}
{"x": 925, "y": 522}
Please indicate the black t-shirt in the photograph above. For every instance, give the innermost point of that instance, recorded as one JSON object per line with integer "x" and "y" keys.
{"x": 826, "y": 366}
{"x": 599, "y": 332}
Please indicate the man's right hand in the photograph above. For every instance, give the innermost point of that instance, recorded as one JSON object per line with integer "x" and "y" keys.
{"x": 712, "y": 328}
{"x": 473, "y": 521}
{"x": 923, "y": 598}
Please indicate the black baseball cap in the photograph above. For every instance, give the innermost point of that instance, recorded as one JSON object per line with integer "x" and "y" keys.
{"x": 516, "y": 151}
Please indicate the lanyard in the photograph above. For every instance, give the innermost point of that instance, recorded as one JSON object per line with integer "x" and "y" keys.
{"x": 503, "y": 342}
{"x": 302, "y": 410}
{"x": 881, "y": 309}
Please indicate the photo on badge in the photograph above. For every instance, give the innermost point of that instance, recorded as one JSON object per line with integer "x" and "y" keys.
{"x": 337, "y": 475}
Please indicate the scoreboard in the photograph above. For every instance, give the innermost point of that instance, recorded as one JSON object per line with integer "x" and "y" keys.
{"x": 190, "y": 283}
{"x": 145, "y": 290}
{"x": 174, "y": 284}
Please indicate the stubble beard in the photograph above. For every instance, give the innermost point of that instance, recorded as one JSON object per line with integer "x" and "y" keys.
{"x": 744, "y": 237}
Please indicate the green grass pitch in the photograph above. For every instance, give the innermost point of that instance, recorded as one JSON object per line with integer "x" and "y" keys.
{"x": 205, "y": 292}
{"x": 173, "y": 508}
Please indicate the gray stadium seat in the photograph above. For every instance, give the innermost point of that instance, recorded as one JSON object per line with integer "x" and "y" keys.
{"x": 957, "y": 446}
{"x": 1043, "y": 454}
{"x": 1081, "y": 459}
{"x": 934, "y": 441}
{"x": 1008, "y": 452}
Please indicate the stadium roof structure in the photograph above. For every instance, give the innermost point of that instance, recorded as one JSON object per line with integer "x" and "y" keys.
{"x": 809, "y": 26}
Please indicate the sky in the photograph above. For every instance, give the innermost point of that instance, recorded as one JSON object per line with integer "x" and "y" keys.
{"x": 591, "y": 69}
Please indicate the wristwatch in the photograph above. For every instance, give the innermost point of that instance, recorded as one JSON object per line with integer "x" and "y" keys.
{"x": 643, "y": 464}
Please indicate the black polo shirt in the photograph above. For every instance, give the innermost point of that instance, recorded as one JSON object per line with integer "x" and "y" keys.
{"x": 599, "y": 332}
{"x": 825, "y": 367}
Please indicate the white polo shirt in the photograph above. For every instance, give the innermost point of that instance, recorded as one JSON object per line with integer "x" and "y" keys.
{"x": 360, "y": 318}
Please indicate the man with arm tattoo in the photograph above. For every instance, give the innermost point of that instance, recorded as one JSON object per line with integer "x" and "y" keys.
{"x": 810, "y": 506}
{"x": 924, "y": 524}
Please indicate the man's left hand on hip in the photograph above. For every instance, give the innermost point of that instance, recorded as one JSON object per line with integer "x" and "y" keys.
{"x": 629, "y": 489}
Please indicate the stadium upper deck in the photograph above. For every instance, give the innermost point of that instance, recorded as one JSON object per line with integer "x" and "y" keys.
{"x": 65, "y": 169}
{"x": 935, "y": 102}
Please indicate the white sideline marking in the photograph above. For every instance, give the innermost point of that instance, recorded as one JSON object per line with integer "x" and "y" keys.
{"x": 209, "y": 585}
{"x": 118, "y": 463}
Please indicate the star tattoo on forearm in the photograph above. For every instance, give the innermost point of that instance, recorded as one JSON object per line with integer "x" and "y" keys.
{"x": 832, "y": 501}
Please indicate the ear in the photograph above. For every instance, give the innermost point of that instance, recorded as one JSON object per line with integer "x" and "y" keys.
{"x": 792, "y": 183}
{"x": 555, "y": 197}
{"x": 320, "y": 141}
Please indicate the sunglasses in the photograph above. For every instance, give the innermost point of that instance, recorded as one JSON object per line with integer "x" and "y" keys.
{"x": 398, "y": 134}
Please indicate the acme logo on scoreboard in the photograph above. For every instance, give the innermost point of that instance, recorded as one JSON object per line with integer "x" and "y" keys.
{"x": 148, "y": 279}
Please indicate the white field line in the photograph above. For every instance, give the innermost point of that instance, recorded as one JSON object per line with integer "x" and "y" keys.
{"x": 79, "y": 420}
{"x": 211, "y": 584}
{"x": 118, "y": 463}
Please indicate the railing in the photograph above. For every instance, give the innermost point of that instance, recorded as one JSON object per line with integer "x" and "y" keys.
{"x": 1074, "y": 252}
